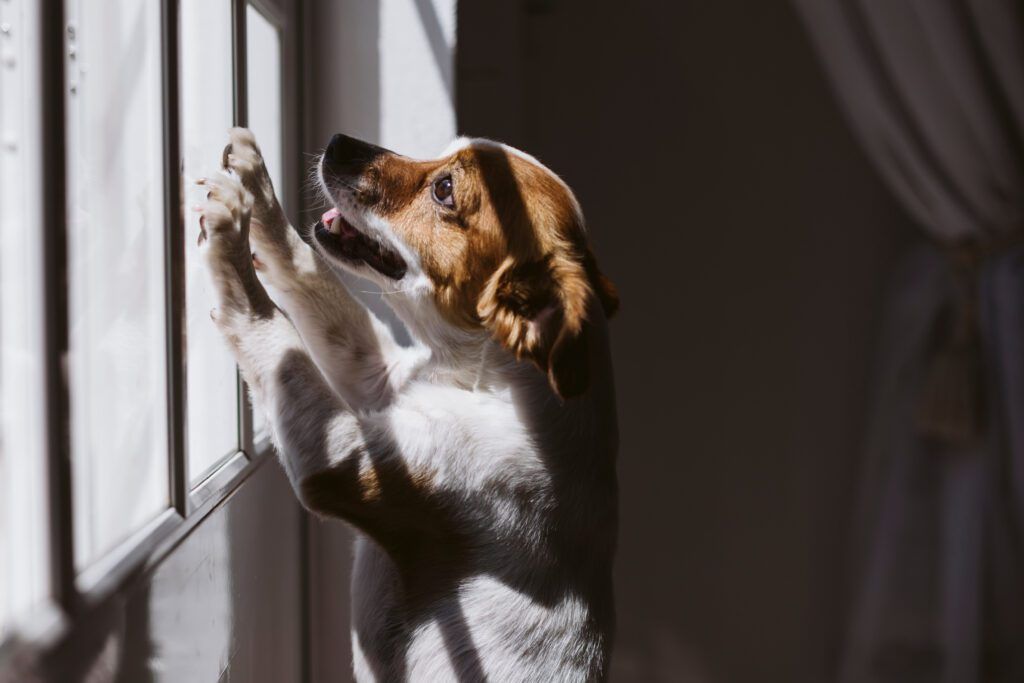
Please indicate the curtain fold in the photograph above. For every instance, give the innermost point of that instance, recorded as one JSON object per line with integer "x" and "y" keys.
{"x": 934, "y": 91}
{"x": 1003, "y": 600}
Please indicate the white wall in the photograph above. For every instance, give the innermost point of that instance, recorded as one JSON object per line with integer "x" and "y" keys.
{"x": 382, "y": 71}
{"x": 416, "y": 47}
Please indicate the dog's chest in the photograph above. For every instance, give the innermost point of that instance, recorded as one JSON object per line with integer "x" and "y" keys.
{"x": 466, "y": 438}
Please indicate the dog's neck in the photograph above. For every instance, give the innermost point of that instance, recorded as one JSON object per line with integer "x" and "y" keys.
{"x": 468, "y": 358}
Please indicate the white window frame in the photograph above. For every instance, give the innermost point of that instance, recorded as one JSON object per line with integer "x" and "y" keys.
{"x": 75, "y": 594}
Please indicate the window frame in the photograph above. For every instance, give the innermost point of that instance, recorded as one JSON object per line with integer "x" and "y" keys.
{"x": 74, "y": 595}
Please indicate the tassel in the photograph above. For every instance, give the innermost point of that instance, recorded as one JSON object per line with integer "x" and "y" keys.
{"x": 951, "y": 406}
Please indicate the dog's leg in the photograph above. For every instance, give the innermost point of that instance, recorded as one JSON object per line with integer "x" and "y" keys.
{"x": 319, "y": 439}
{"x": 353, "y": 349}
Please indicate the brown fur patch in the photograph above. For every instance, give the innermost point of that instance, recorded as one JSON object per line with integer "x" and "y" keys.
{"x": 350, "y": 488}
{"x": 394, "y": 506}
{"x": 369, "y": 485}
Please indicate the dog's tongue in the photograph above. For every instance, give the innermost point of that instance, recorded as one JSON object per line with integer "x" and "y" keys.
{"x": 329, "y": 217}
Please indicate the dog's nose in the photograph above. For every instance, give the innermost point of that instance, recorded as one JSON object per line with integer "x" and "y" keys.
{"x": 346, "y": 155}
{"x": 342, "y": 148}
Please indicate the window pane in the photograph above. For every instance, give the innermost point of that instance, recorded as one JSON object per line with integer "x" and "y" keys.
{"x": 207, "y": 113}
{"x": 116, "y": 271}
{"x": 22, "y": 474}
{"x": 263, "y": 63}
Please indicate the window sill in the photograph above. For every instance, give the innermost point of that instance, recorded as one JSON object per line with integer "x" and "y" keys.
{"x": 45, "y": 628}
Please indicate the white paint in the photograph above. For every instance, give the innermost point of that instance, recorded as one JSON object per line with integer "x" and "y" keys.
{"x": 417, "y": 43}
{"x": 22, "y": 478}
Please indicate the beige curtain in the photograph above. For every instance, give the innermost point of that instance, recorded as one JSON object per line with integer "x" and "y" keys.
{"x": 934, "y": 90}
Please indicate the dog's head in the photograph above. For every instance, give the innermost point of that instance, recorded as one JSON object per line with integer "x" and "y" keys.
{"x": 486, "y": 235}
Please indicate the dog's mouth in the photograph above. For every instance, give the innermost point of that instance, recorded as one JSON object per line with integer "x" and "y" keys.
{"x": 340, "y": 239}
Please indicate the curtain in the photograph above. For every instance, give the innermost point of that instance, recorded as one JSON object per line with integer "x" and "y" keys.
{"x": 934, "y": 91}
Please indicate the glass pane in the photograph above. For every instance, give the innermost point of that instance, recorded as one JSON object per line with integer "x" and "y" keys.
{"x": 23, "y": 575}
{"x": 116, "y": 271}
{"x": 263, "y": 63}
{"x": 207, "y": 112}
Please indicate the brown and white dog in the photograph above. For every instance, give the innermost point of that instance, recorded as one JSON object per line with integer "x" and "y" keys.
{"x": 479, "y": 464}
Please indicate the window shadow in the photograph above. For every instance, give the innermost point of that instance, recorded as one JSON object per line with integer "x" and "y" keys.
{"x": 439, "y": 48}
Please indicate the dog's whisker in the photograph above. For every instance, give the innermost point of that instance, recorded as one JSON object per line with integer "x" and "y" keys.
{"x": 385, "y": 291}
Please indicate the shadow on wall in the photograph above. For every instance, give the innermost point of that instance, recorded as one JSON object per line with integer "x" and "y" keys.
{"x": 439, "y": 47}
{"x": 751, "y": 243}
{"x": 343, "y": 93}
{"x": 222, "y": 605}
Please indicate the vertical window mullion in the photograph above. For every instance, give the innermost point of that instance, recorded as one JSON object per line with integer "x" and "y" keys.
{"x": 174, "y": 260}
{"x": 53, "y": 88}
{"x": 241, "y": 94}
{"x": 238, "y": 40}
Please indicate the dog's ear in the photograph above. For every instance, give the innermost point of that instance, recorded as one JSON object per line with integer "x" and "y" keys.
{"x": 607, "y": 294}
{"x": 538, "y": 310}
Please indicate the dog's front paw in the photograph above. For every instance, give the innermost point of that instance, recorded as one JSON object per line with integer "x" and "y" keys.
{"x": 224, "y": 241}
{"x": 242, "y": 157}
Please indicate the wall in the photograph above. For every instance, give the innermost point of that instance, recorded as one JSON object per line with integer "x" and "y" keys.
{"x": 751, "y": 243}
{"x": 221, "y": 605}
{"x": 382, "y": 71}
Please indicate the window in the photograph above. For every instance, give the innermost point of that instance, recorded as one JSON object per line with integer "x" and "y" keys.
{"x": 264, "y": 77}
{"x": 22, "y": 475}
{"x": 264, "y": 67}
{"x": 123, "y": 425}
{"x": 207, "y": 111}
{"x": 115, "y": 271}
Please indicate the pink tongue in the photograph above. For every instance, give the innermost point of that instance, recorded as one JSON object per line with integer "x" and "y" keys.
{"x": 329, "y": 217}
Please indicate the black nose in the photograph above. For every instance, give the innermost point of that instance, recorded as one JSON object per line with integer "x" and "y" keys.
{"x": 347, "y": 156}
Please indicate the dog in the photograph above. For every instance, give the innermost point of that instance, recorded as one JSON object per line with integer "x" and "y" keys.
{"x": 477, "y": 464}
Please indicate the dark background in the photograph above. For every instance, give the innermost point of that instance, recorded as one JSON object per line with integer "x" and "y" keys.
{"x": 752, "y": 245}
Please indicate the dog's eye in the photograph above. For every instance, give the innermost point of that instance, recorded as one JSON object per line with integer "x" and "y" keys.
{"x": 444, "y": 191}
